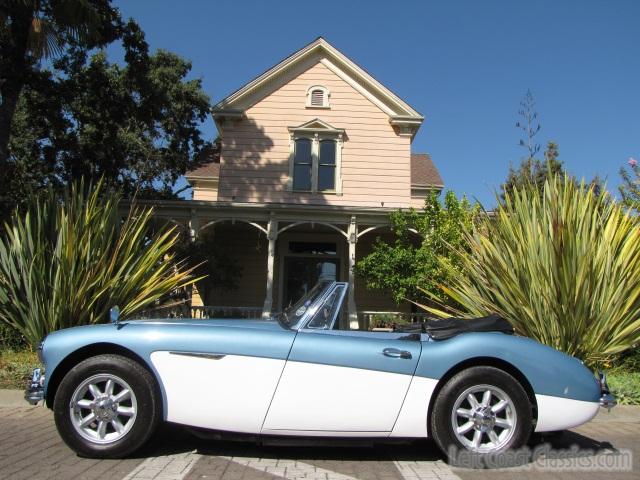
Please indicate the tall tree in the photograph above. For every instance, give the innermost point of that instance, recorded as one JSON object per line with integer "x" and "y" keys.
{"x": 529, "y": 125}
{"x": 136, "y": 125}
{"x": 34, "y": 29}
{"x": 630, "y": 187}
{"x": 531, "y": 169}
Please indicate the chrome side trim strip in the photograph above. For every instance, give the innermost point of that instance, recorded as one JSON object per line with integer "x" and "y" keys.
{"x": 210, "y": 356}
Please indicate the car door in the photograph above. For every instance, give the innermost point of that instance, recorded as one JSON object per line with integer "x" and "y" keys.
{"x": 343, "y": 382}
{"x": 221, "y": 377}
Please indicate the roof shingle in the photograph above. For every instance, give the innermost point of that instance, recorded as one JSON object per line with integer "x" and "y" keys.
{"x": 424, "y": 172}
{"x": 207, "y": 170}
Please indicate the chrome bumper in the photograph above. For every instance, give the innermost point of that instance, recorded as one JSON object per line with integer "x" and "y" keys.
{"x": 35, "y": 391}
{"x": 607, "y": 400}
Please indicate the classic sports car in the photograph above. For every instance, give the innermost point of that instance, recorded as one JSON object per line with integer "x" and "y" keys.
{"x": 469, "y": 384}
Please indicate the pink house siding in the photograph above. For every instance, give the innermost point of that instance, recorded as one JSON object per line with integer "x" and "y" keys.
{"x": 288, "y": 237}
{"x": 255, "y": 150}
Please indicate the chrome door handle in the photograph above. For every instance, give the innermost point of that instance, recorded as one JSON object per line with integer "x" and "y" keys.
{"x": 396, "y": 353}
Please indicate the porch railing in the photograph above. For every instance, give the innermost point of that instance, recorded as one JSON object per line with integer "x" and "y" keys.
{"x": 378, "y": 319}
{"x": 226, "y": 312}
{"x": 369, "y": 318}
{"x": 185, "y": 311}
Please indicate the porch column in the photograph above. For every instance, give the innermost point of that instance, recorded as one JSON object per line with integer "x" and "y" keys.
{"x": 194, "y": 225}
{"x": 272, "y": 235}
{"x": 352, "y": 237}
{"x": 196, "y": 299}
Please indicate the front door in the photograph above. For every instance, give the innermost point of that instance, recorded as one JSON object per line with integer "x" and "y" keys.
{"x": 302, "y": 273}
{"x": 343, "y": 381}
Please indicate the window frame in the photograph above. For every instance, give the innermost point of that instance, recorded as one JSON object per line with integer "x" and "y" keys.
{"x": 332, "y": 165}
{"x": 326, "y": 94}
{"x": 310, "y": 163}
{"x": 316, "y": 136}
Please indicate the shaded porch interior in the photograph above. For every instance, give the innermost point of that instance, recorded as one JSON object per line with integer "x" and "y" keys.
{"x": 302, "y": 253}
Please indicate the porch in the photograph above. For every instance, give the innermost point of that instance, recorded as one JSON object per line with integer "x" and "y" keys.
{"x": 282, "y": 250}
{"x": 367, "y": 319}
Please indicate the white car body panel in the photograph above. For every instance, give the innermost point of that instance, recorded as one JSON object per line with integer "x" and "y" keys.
{"x": 555, "y": 413}
{"x": 315, "y": 397}
{"x": 413, "y": 418}
{"x": 232, "y": 393}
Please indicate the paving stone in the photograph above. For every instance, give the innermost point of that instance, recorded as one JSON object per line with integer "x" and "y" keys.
{"x": 30, "y": 448}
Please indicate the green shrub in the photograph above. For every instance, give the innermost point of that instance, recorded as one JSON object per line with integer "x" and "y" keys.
{"x": 10, "y": 338}
{"x": 68, "y": 260}
{"x": 16, "y": 367}
{"x": 629, "y": 361}
{"x": 421, "y": 256}
{"x": 625, "y": 386}
{"x": 563, "y": 267}
{"x": 383, "y": 320}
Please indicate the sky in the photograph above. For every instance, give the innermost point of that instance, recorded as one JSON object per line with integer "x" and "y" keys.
{"x": 465, "y": 65}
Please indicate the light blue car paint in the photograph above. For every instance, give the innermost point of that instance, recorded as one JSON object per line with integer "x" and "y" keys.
{"x": 232, "y": 337}
{"x": 333, "y": 347}
{"x": 549, "y": 371}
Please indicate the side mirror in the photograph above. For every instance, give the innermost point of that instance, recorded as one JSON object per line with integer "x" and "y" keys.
{"x": 114, "y": 314}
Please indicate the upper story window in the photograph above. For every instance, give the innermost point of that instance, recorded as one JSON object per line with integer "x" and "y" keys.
{"x": 315, "y": 158}
{"x": 318, "y": 175}
{"x": 327, "y": 165}
{"x": 302, "y": 164}
{"x": 318, "y": 97}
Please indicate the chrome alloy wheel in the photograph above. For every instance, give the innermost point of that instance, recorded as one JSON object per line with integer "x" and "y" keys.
{"x": 103, "y": 408}
{"x": 483, "y": 418}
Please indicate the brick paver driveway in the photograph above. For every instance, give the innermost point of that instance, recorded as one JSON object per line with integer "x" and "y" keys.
{"x": 30, "y": 448}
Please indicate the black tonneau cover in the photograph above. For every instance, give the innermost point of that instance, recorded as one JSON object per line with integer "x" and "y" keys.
{"x": 450, "y": 327}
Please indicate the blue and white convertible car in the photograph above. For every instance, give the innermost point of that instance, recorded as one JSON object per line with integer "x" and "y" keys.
{"x": 468, "y": 384}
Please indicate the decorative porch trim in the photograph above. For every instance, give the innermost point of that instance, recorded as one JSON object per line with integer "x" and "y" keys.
{"x": 233, "y": 221}
{"x": 267, "y": 218}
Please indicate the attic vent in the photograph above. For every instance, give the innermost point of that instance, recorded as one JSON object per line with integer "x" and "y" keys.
{"x": 318, "y": 97}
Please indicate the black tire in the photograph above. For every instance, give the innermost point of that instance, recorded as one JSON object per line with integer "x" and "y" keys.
{"x": 520, "y": 415}
{"x": 147, "y": 407}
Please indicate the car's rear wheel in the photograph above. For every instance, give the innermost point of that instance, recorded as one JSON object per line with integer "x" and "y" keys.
{"x": 107, "y": 406}
{"x": 481, "y": 413}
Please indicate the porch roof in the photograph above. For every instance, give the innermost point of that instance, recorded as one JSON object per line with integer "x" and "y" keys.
{"x": 187, "y": 210}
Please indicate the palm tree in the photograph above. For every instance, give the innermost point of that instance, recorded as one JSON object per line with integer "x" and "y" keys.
{"x": 31, "y": 30}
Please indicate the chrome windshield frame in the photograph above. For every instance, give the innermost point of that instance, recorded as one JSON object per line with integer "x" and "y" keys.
{"x": 313, "y": 308}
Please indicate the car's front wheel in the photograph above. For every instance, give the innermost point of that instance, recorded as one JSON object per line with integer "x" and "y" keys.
{"x": 107, "y": 406}
{"x": 481, "y": 413}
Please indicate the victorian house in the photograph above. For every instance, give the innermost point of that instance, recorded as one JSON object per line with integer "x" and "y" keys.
{"x": 312, "y": 157}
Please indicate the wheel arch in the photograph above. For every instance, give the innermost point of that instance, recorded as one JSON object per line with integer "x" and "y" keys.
{"x": 89, "y": 351}
{"x": 484, "y": 362}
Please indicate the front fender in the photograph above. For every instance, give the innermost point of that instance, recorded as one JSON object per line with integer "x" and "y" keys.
{"x": 142, "y": 339}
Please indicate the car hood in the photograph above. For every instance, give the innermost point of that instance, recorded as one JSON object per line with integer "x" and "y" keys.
{"x": 269, "y": 324}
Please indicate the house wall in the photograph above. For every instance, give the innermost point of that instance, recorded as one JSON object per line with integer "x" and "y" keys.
{"x": 205, "y": 189}
{"x": 255, "y": 150}
{"x": 418, "y": 197}
{"x": 248, "y": 246}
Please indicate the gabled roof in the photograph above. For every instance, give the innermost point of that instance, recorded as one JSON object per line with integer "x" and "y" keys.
{"x": 400, "y": 112}
{"x": 423, "y": 172}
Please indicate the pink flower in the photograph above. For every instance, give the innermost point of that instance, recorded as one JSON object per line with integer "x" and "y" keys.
{"x": 632, "y": 161}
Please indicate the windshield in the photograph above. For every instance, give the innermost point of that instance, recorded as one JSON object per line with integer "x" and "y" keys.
{"x": 290, "y": 316}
